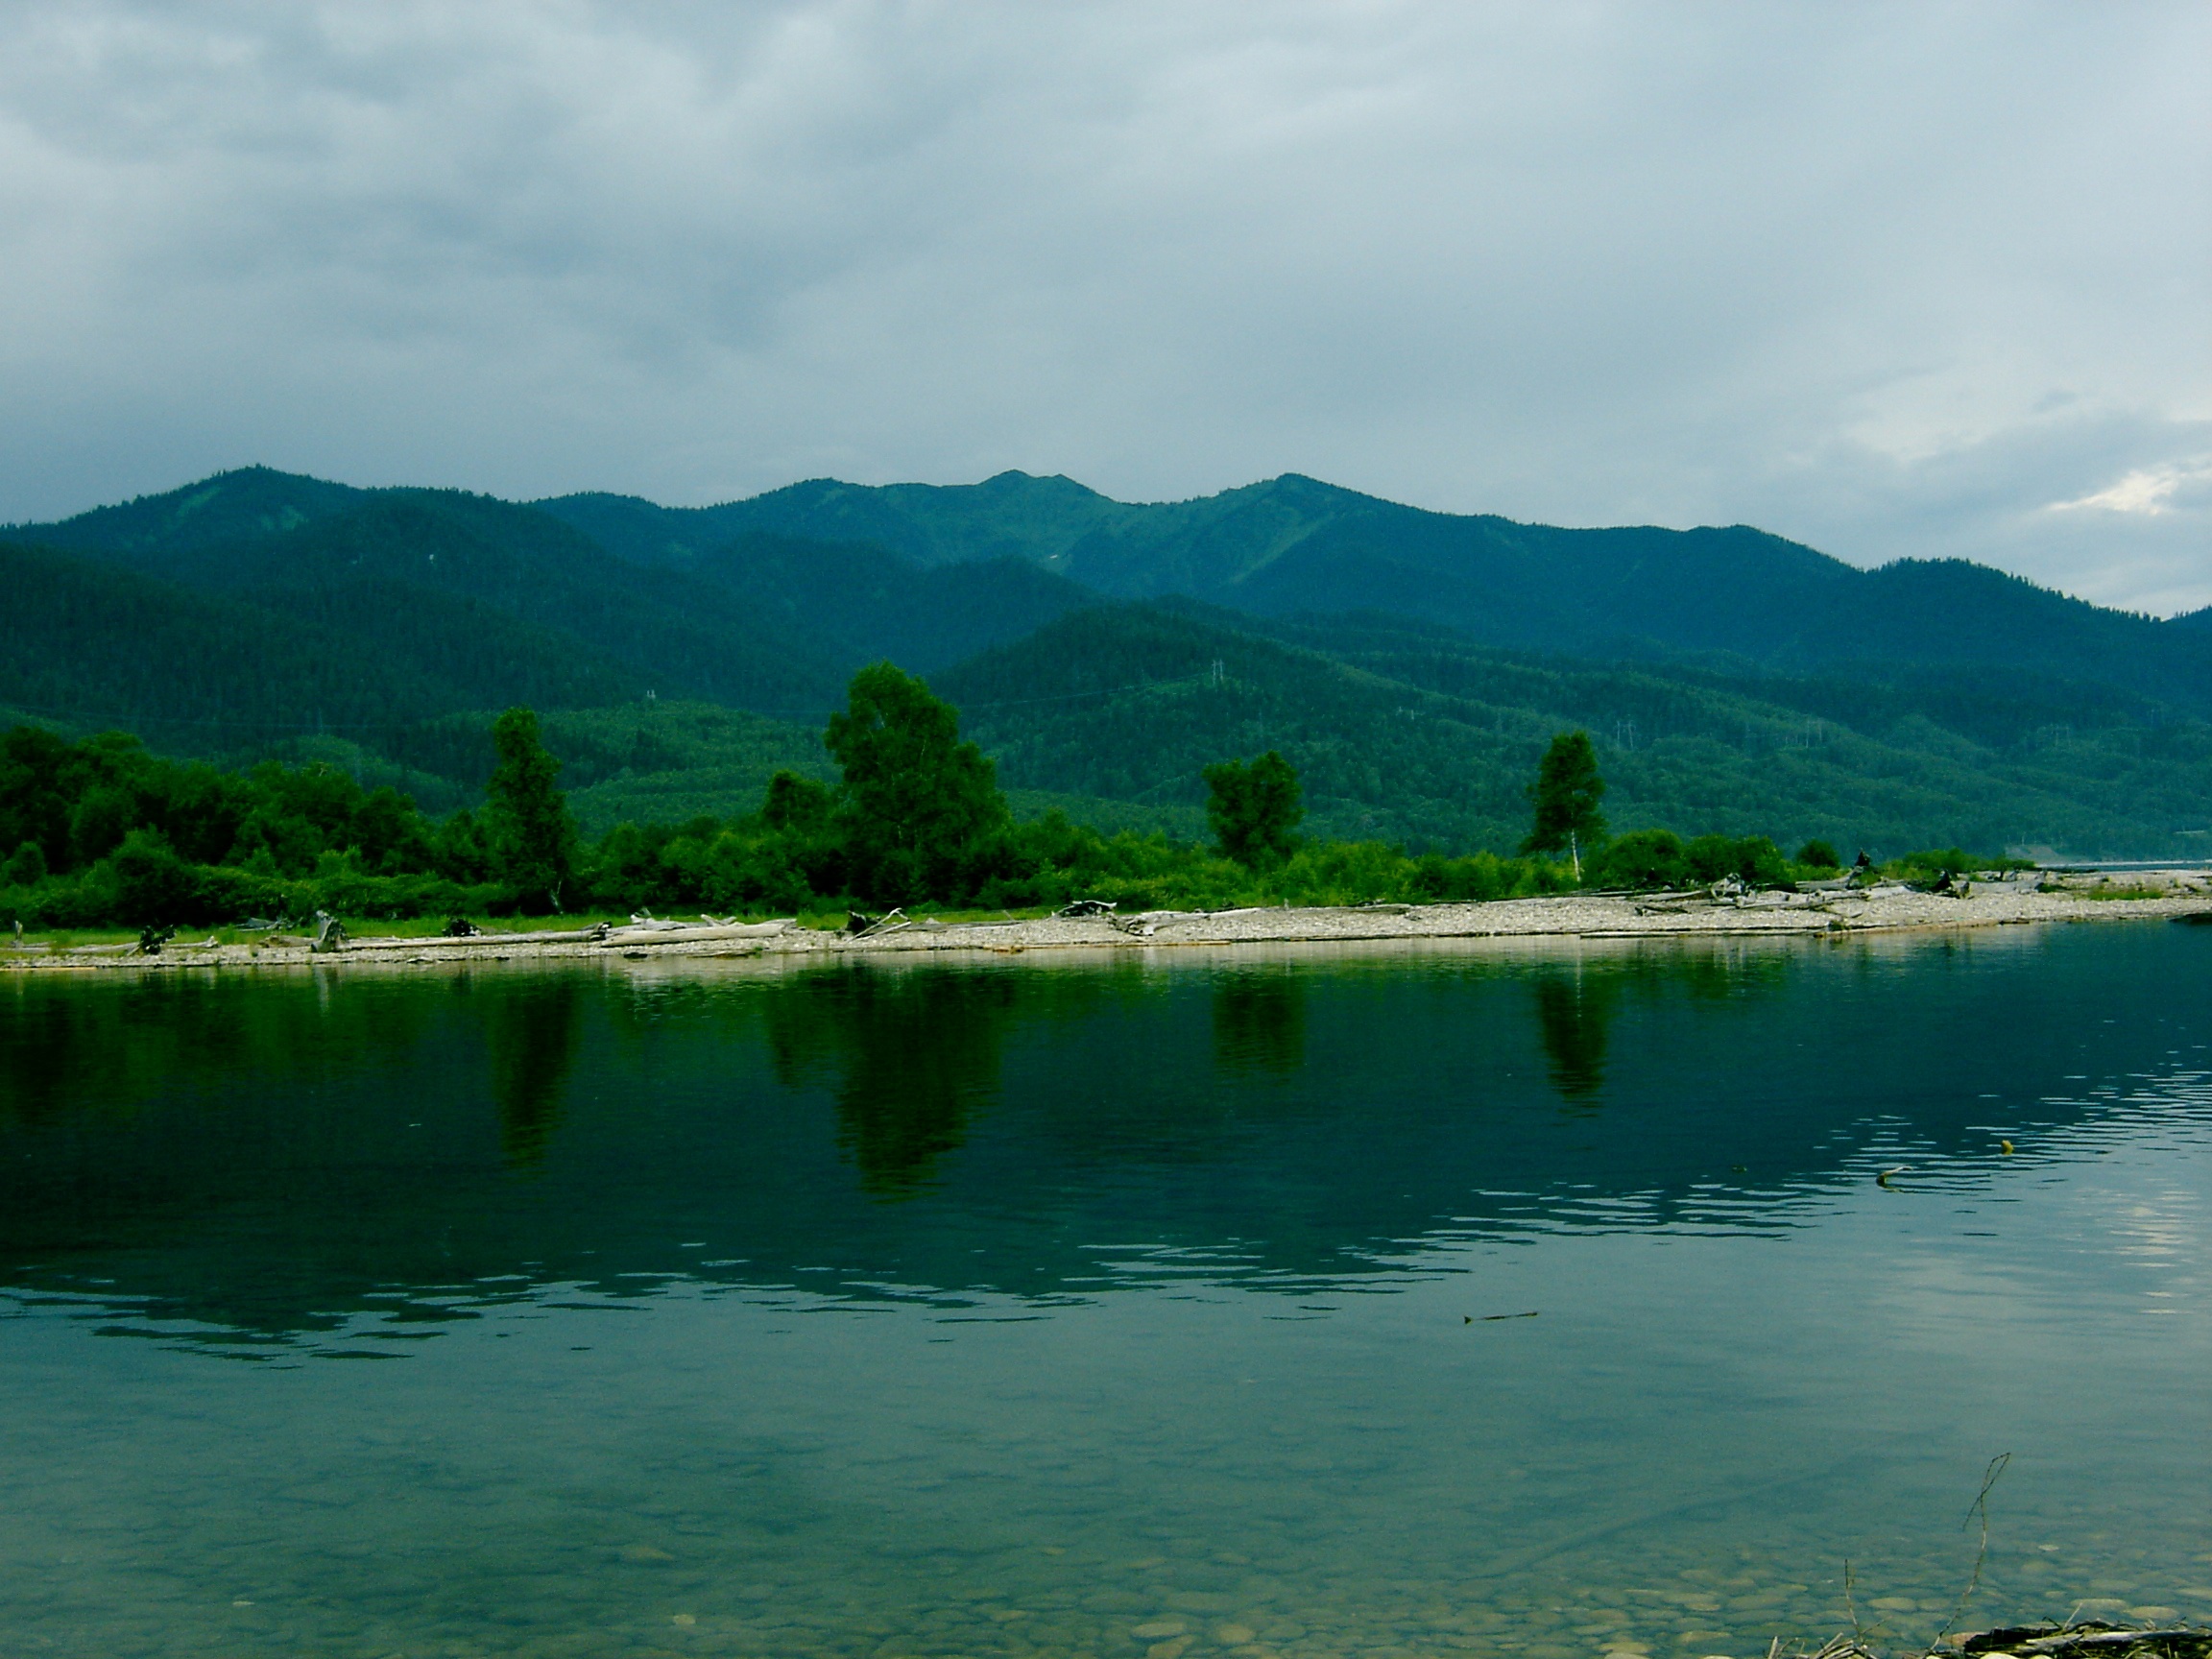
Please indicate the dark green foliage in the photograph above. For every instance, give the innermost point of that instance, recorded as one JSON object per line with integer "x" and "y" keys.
{"x": 1565, "y": 796}
{"x": 1818, "y": 854}
{"x": 1254, "y": 809}
{"x": 1753, "y": 859}
{"x": 27, "y": 867}
{"x": 915, "y": 801}
{"x": 1933, "y": 862}
{"x": 109, "y": 835}
{"x": 152, "y": 885}
{"x": 796, "y": 803}
{"x": 527, "y": 828}
{"x": 1640, "y": 860}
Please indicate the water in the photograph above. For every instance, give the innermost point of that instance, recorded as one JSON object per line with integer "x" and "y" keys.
{"x": 1114, "y": 1308}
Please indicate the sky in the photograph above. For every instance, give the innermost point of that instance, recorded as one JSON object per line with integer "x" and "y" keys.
{"x": 1907, "y": 280}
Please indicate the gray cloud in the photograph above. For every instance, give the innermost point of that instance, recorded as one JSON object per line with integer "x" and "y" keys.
{"x": 1890, "y": 281}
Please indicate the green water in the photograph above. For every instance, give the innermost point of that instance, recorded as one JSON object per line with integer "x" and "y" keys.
{"x": 1115, "y": 1308}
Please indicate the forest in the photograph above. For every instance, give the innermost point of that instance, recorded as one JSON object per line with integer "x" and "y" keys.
{"x": 104, "y": 833}
{"x": 1409, "y": 666}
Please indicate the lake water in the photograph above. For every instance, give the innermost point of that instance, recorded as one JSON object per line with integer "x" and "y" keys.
{"x": 1114, "y": 1307}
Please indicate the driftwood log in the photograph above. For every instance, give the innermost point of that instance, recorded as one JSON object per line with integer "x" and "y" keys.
{"x": 465, "y": 941}
{"x": 2091, "y": 1640}
{"x": 685, "y": 935}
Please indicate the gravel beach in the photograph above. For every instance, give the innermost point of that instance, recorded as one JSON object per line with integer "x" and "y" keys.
{"x": 1587, "y": 916}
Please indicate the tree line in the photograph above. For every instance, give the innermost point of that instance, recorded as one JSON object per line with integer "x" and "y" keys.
{"x": 105, "y": 833}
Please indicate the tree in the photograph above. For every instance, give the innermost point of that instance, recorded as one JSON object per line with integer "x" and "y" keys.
{"x": 1565, "y": 796}
{"x": 1820, "y": 854}
{"x": 1254, "y": 808}
{"x": 28, "y": 868}
{"x": 915, "y": 799}
{"x": 795, "y": 804}
{"x": 533, "y": 839}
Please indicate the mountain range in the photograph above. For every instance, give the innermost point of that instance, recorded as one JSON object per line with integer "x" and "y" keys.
{"x": 1411, "y": 663}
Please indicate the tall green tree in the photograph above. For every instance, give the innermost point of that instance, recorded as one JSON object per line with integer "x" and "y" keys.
{"x": 1254, "y": 808}
{"x": 1565, "y": 796}
{"x": 526, "y": 821}
{"x": 915, "y": 799}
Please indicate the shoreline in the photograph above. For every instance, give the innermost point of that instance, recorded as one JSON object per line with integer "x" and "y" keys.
{"x": 1576, "y": 916}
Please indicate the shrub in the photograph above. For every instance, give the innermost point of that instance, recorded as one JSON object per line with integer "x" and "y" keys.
{"x": 28, "y": 867}
{"x": 1752, "y": 858}
{"x": 1933, "y": 862}
{"x": 152, "y": 885}
{"x": 1818, "y": 856}
{"x": 1643, "y": 858}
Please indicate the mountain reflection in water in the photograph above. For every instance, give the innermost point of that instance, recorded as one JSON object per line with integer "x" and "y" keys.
{"x": 1036, "y": 1130}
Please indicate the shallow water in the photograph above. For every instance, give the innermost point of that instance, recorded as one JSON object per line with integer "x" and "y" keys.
{"x": 1115, "y": 1308}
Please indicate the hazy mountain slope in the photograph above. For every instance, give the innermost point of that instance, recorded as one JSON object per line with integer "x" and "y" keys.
{"x": 1012, "y": 514}
{"x": 201, "y": 673}
{"x": 229, "y": 507}
{"x": 759, "y": 621}
{"x": 671, "y": 630}
{"x": 1287, "y": 546}
{"x": 853, "y": 603}
{"x": 1294, "y": 545}
{"x": 2000, "y": 707}
{"x": 1129, "y": 703}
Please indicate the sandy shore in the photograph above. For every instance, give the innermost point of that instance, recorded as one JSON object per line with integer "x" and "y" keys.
{"x": 1577, "y": 916}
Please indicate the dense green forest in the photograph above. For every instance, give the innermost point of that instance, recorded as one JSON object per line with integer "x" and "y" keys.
{"x": 681, "y": 656}
{"x": 105, "y": 832}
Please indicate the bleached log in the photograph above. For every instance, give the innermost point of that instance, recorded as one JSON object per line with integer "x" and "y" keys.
{"x": 479, "y": 941}
{"x": 634, "y": 936}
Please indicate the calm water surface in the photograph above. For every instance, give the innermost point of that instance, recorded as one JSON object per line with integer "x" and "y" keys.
{"x": 1114, "y": 1308}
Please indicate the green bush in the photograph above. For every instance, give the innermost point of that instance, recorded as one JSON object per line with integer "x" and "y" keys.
{"x": 1934, "y": 862}
{"x": 27, "y": 867}
{"x": 1818, "y": 856}
{"x": 154, "y": 887}
{"x": 1641, "y": 859}
{"x": 1754, "y": 859}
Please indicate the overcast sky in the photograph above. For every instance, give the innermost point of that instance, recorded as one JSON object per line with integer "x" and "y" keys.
{"x": 1920, "y": 279}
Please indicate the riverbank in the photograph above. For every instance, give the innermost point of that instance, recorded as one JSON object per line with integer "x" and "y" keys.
{"x": 1588, "y": 916}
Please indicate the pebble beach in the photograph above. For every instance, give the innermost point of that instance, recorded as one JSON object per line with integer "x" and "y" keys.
{"x": 2178, "y": 895}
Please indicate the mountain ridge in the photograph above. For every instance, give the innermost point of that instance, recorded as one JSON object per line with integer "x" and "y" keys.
{"x": 1944, "y": 697}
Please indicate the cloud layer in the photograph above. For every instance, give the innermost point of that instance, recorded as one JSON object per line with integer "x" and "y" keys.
{"x": 1917, "y": 280}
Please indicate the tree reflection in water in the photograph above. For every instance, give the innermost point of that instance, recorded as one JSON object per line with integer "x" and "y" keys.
{"x": 1259, "y": 1021}
{"x": 1572, "y": 1013}
{"x": 915, "y": 1052}
{"x": 531, "y": 1027}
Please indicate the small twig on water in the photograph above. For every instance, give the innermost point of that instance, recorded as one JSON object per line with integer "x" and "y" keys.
{"x": 1857, "y": 1633}
{"x": 1979, "y": 1507}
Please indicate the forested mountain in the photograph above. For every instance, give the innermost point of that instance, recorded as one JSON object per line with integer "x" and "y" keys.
{"x": 1294, "y": 545}
{"x": 1419, "y": 740}
{"x": 229, "y": 507}
{"x": 200, "y": 672}
{"x": 760, "y": 620}
{"x": 1411, "y": 663}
